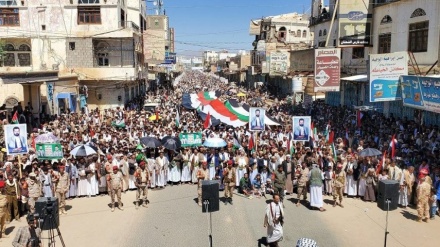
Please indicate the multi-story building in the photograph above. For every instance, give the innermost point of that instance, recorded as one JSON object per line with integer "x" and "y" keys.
{"x": 210, "y": 58}
{"x": 393, "y": 26}
{"x": 275, "y": 35}
{"x": 68, "y": 54}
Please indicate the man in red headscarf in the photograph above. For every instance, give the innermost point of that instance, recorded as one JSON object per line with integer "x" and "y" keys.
{"x": 423, "y": 194}
{"x": 142, "y": 178}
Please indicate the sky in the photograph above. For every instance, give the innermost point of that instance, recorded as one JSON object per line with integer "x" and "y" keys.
{"x": 220, "y": 24}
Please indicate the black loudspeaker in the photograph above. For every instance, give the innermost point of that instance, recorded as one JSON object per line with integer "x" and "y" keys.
{"x": 48, "y": 213}
{"x": 388, "y": 190}
{"x": 210, "y": 195}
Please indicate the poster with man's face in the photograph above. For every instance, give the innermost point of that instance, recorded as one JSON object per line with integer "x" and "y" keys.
{"x": 16, "y": 139}
{"x": 301, "y": 128}
{"x": 256, "y": 118}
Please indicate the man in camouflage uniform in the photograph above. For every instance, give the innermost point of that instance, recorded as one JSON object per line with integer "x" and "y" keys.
{"x": 61, "y": 188}
{"x": 202, "y": 174}
{"x": 229, "y": 174}
{"x": 34, "y": 188}
{"x": 142, "y": 178}
{"x": 423, "y": 194}
{"x": 303, "y": 178}
{"x": 114, "y": 181}
{"x": 338, "y": 185}
{"x": 3, "y": 209}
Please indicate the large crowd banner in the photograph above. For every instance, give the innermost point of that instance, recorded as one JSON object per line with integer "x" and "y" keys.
{"x": 327, "y": 70}
{"x": 191, "y": 139}
{"x": 355, "y": 18}
{"x": 421, "y": 92}
{"x": 385, "y": 71}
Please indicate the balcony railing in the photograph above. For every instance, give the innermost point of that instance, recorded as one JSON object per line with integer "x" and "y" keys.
{"x": 324, "y": 17}
{"x": 129, "y": 24}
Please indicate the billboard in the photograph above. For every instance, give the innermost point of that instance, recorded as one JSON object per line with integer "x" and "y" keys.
{"x": 421, "y": 92}
{"x": 278, "y": 63}
{"x": 385, "y": 71}
{"x": 355, "y": 22}
{"x": 170, "y": 58}
{"x": 327, "y": 69}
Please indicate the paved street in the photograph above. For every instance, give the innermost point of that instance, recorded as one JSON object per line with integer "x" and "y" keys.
{"x": 173, "y": 218}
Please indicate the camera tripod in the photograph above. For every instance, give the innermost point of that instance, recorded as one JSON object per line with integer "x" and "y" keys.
{"x": 50, "y": 222}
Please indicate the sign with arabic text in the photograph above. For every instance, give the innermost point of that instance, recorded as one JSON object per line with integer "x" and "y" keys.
{"x": 355, "y": 22}
{"x": 278, "y": 63}
{"x": 385, "y": 71}
{"x": 327, "y": 70}
{"x": 191, "y": 139}
{"x": 421, "y": 92}
{"x": 49, "y": 151}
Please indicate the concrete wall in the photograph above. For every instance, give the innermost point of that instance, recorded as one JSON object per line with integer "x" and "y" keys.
{"x": 82, "y": 55}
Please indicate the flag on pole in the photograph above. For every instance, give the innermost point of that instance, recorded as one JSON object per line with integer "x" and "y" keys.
{"x": 177, "y": 118}
{"x": 381, "y": 165}
{"x": 208, "y": 122}
{"x": 15, "y": 118}
{"x": 359, "y": 116}
{"x": 393, "y": 146}
{"x": 331, "y": 137}
{"x": 251, "y": 143}
{"x": 313, "y": 131}
{"x": 335, "y": 156}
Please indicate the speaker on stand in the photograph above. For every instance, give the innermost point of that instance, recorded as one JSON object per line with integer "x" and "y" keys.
{"x": 211, "y": 202}
{"x": 387, "y": 199}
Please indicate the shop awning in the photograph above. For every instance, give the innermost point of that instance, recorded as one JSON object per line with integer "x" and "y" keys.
{"x": 29, "y": 77}
{"x": 356, "y": 78}
{"x": 64, "y": 95}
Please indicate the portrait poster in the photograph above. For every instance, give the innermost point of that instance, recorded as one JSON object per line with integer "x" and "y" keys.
{"x": 301, "y": 128}
{"x": 256, "y": 118}
{"x": 16, "y": 139}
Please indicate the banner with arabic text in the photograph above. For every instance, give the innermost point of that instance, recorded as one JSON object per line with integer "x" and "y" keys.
{"x": 385, "y": 71}
{"x": 421, "y": 92}
{"x": 191, "y": 139}
{"x": 49, "y": 151}
{"x": 355, "y": 22}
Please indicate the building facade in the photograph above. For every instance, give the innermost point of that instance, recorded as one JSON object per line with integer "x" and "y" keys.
{"x": 69, "y": 54}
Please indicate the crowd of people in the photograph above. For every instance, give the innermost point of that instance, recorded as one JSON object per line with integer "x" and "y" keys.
{"x": 272, "y": 164}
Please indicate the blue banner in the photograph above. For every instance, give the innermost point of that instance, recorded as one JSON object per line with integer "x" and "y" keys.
{"x": 421, "y": 92}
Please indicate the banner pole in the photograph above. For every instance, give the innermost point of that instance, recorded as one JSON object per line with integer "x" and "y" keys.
{"x": 20, "y": 165}
{"x": 331, "y": 23}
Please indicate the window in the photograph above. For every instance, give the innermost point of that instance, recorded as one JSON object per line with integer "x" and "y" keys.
{"x": 384, "y": 44}
{"x": 358, "y": 53}
{"x": 282, "y": 33}
{"x": 298, "y": 33}
{"x": 418, "y": 12}
{"x": 102, "y": 59}
{"x": 304, "y": 34}
{"x": 8, "y": 2}
{"x": 418, "y": 37}
{"x": 386, "y": 20}
{"x": 9, "y": 17}
{"x": 87, "y": 1}
{"x": 89, "y": 15}
{"x": 320, "y": 33}
{"x": 17, "y": 57}
{"x": 324, "y": 33}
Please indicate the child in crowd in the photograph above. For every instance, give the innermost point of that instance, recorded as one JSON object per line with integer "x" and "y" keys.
{"x": 328, "y": 177}
{"x": 433, "y": 203}
{"x": 269, "y": 187}
{"x": 384, "y": 175}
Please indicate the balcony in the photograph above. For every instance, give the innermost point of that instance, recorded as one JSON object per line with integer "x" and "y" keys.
{"x": 324, "y": 17}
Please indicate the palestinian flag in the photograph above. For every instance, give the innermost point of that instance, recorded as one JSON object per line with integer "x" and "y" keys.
{"x": 335, "y": 156}
{"x": 233, "y": 106}
{"x": 119, "y": 123}
{"x": 15, "y": 118}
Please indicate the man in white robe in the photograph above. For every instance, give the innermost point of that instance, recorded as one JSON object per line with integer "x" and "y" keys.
{"x": 273, "y": 221}
{"x": 350, "y": 183}
{"x": 161, "y": 170}
{"x": 315, "y": 179}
